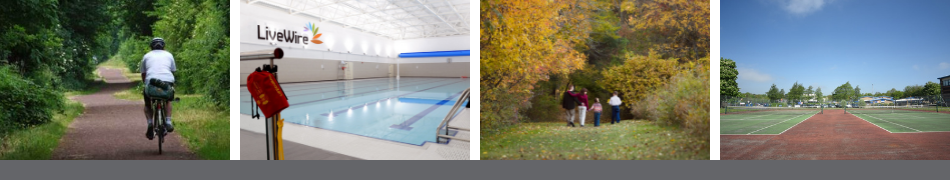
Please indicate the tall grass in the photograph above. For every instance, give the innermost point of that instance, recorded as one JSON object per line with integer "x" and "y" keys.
{"x": 39, "y": 141}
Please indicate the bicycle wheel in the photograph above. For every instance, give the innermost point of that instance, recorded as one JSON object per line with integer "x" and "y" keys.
{"x": 160, "y": 127}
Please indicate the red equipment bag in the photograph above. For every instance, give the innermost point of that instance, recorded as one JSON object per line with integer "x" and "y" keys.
{"x": 267, "y": 93}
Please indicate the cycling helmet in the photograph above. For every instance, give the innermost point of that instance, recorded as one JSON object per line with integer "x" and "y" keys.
{"x": 157, "y": 43}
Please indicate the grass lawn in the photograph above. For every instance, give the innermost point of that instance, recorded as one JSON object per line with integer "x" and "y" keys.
{"x": 628, "y": 140}
{"x": 39, "y": 141}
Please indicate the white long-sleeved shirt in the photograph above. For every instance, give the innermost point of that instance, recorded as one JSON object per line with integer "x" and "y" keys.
{"x": 614, "y": 101}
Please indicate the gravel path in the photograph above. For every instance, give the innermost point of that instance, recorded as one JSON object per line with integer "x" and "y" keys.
{"x": 836, "y": 135}
{"x": 113, "y": 128}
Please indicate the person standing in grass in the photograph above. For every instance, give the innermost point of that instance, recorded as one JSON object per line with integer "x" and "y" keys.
{"x": 615, "y": 107}
{"x": 582, "y": 98}
{"x": 569, "y": 104}
{"x": 597, "y": 110}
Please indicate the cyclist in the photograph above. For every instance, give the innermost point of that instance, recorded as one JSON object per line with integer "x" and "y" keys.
{"x": 157, "y": 65}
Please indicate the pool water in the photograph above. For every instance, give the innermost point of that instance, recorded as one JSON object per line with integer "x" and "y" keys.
{"x": 405, "y": 110}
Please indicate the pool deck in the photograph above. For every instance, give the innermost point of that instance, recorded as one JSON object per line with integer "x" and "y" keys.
{"x": 309, "y": 143}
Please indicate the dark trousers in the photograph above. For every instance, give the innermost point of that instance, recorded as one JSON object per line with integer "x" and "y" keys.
{"x": 616, "y": 115}
{"x": 596, "y": 119}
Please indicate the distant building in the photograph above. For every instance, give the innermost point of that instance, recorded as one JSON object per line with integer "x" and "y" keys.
{"x": 945, "y": 88}
{"x": 876, "y": 100}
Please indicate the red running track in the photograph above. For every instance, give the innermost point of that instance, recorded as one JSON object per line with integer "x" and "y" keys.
{"x": 836, "y": 135}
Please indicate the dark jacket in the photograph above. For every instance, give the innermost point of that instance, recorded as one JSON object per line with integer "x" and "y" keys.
{"x": 569, "y": 101}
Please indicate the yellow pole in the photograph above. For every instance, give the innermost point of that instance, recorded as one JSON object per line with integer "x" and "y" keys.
{"x": 279, "y": 140}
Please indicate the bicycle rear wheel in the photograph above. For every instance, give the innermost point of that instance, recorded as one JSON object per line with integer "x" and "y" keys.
{"x": 160, "y": 127}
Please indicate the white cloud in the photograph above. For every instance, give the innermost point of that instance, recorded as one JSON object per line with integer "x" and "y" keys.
{"x": 753, "y": 75}
{"x": 916, "y": 67}
{"x": 944, "y": 65}
{"x": 802, "y": 7}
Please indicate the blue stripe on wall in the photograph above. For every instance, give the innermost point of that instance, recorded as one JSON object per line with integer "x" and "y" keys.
{"x": 435, "y": 54}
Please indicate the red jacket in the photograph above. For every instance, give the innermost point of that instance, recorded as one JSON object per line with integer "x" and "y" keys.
{"x": 583, "y": 99}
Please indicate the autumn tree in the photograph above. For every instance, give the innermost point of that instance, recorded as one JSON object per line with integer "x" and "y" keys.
{"x": 523, "y": 42}
{"x": 673, "y": 28}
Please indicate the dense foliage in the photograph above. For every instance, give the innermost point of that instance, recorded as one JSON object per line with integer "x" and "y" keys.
{"x": 532, "y": 50}
{"x": 51, "y": 46}
{"x": 523, "y": 42}
{"x": 47, "y": 47}
{"x": 23, "y": 102}
{"x": 684, "y": 101}
{"x": 196, "y": 32}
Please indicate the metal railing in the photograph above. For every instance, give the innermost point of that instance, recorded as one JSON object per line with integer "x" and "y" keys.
{"x": 445, "y": 122}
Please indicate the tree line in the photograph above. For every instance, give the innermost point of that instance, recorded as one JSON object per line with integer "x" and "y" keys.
{"x": 48, "y": 47}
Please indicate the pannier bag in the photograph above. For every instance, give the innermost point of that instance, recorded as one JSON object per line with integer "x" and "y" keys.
{"x": 159, "y": 89}
{"x": 267, "y": 93}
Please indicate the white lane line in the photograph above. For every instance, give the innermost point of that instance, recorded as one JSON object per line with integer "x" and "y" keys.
{"x": 796, "y": 124}
{"x": 775, "y": 124}
{"x": 894, "y": 123}
{"x": 865, "y": 120}
{"x": 752, "y": 117}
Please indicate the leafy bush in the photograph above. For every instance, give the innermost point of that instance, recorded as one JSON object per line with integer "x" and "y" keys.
{"x": 24, "y": 103}
{"x": 199, "y": 39}
{"x": 683, "y": 102}
{"x": 638, "y": 77}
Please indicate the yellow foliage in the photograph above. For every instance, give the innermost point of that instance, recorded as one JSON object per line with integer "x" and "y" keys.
{"x": 674, "y": 28}
{"x": 639, "y": 75}
{"x": 523, "y": 42}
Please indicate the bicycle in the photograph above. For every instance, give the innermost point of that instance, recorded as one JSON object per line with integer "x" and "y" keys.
{"x": 158, "y": 113}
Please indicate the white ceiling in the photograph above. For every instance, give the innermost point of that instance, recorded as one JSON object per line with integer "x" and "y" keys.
{"x": 393, "y": 19}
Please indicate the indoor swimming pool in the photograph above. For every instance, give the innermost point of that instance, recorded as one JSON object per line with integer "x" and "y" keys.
{"x": 405, "y": 110}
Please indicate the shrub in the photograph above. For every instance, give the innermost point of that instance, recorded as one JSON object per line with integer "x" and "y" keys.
{"x": 638, "y": 77}
{"x": 24, "y": 103}
{"x": 683, "y": 102}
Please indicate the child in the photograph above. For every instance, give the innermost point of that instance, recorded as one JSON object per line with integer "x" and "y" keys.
{"x": 615, "y": 104}
{"x": 597, "y": 110}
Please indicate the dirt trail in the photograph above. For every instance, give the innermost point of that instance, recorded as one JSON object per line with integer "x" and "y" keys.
{"x": 836, "y": 135}
{"x": 113, "y": 128}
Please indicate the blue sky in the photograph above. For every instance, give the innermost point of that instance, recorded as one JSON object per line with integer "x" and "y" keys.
{"x": 825, "y": 43}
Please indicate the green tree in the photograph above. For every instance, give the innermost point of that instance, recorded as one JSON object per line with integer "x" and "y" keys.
{"x": 809, "y": 93}
{"x": 931, "y": 88}
{"x": 819, "y": 96}
{"x": 857, "y": 91}
{"x": 727, "y": 77}
{"x": 773, "y": 93}
{"x": 796, "y": 93}
{"x": 914, "y": 90}
{"x": 844, "y": 92}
